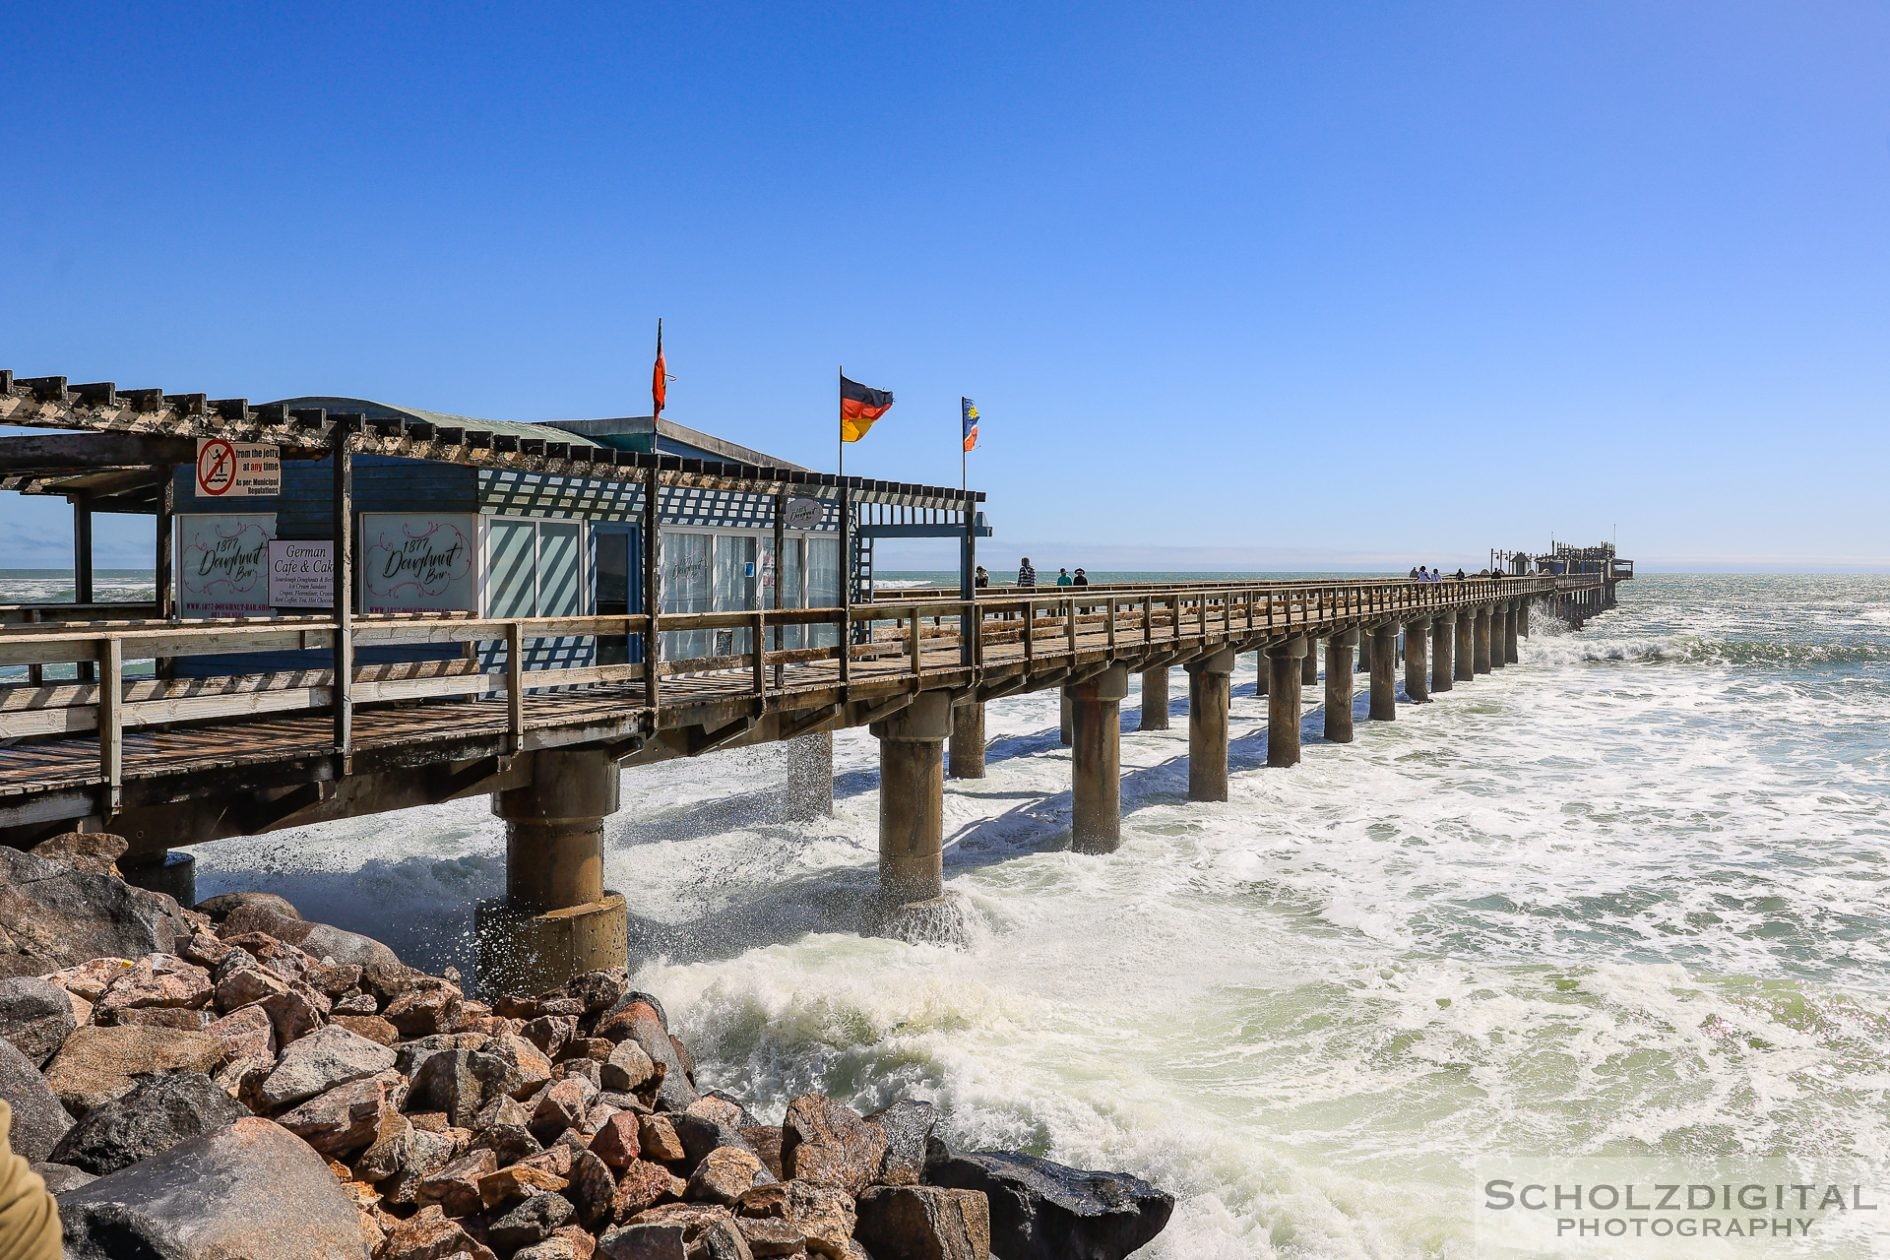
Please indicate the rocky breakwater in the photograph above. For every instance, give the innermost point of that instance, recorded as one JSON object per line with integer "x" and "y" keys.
{"x": 231, "y": 1080}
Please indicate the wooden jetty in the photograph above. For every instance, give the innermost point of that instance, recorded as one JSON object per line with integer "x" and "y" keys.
{"x": 130, "y": 745}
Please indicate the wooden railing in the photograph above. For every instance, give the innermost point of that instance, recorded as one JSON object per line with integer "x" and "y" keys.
{"x": 907, "y": 642}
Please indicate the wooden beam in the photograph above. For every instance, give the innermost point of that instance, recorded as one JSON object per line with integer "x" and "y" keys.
{"x": 77, "y": 452}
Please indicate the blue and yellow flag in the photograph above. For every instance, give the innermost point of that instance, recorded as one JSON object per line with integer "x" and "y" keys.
{"x": 970, "y": 410}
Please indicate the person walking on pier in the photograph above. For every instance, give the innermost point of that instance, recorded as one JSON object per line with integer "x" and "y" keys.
{"x": 1064, "y": 578}
{"x": 1026, "y": 576}
{"x": 1417, "y": 574}
{"x": 1081, "y": 579}
{"x": 981, "y": 579}
{"x": 1460, "y": 575}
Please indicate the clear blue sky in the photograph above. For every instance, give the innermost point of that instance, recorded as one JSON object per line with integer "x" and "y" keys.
{"x": 1283, "y": 285}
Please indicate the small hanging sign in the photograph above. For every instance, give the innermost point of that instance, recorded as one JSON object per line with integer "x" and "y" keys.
{"x": 237, "y": 470}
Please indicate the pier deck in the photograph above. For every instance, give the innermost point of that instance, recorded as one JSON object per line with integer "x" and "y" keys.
{"x": 64, "y": 755}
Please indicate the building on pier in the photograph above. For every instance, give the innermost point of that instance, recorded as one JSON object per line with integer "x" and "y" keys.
{"x": 439, "y": 537}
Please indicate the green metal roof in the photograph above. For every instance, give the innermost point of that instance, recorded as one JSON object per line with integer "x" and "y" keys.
{"x": 368, "y": 407}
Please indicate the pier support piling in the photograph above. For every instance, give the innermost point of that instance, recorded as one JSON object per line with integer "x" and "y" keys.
{"x": 912, "y": 903}
{"x": 1066, "y": 722}
{"x": 1262, "y": 674}
{"x": 172, "y": 872}
{"x": 1417, "y": 677}
{"x": 1522, "y": 617}
{"x": 810, "y": 776}
{"x": 1512, "y": 616}
{"x": 1480, "y": 660}
{"x": 1465, "y": 654}
{"x": 966, "y": 755}
{"x": 557, "y": 919}
{"x": 1096, "y": 809}
{"x": 1285, "y": 661}
{"x": 1309, "y": 667}
{"x": 1155, "y": 699}
{"x": 1339, "y": 686}
{"x": 1384, "y": 689}
{"x": 1443, "y": 637}
{"x": 1207, "y": 726}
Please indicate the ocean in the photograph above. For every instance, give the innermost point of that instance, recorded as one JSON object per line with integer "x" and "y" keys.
{"x": 1626, "y": 899}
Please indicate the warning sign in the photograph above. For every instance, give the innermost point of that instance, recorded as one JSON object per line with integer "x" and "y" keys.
{"x": 237, "y": 470}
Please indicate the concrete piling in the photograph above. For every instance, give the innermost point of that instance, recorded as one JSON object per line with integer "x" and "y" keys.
{"x": 1207, "y": 726}
{"x": 912, "y": 904}
{"x": 1066, "y": 722}
{"x": 965, "y": 757}
{"x": 172, "y": 872}
{"x": 1384, "y": 689}
{"x": 1443, "y": 636}
{"x": 810, "y": 776}
{"x": 1285, "y": 663}
{"x": 1480, "y": 660}
{"x": 1512, "y": 616}
{"x": 1309, "y": 667}
{"x": 1096, "y": 811}
{"x": 557, "y": 919}
{"x": 1339, "y": 686}
{"x": 1417, "y": 676}
{"x": 1465, "y": 653}
{"x": 1155, "y": 699}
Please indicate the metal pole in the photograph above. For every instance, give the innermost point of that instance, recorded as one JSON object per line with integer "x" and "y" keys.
{"x": 342, "y": 453}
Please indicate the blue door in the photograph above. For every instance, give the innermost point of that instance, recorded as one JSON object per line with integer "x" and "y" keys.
{"x": 617, "y": 563}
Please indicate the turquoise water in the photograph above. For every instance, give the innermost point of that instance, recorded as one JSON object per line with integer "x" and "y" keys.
{"x": 1630, "y": 897}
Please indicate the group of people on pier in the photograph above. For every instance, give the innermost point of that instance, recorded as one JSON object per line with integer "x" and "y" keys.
{"x": 1027, "y": 576}
{"x": 1424, "y": 573}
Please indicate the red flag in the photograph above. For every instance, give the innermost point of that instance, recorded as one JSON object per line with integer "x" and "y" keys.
{"x": 659, "y": 378}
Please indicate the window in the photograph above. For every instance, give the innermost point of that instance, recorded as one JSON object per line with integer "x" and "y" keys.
{"x": 823, "y": 585}
{"x": 688, "y": 581}
{"x": 536, "y": 568}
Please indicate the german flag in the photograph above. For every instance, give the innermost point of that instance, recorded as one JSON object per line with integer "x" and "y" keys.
{"x": 860, "y": 405}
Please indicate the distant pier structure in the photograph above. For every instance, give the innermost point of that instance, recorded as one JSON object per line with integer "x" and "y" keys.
{"x": 1568, "y": 560}
{"x": 362, "y": 608}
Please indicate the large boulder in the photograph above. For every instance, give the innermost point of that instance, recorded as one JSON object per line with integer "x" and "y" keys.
{"x": 39, "y": 1121}
{"x": 317, "y": 1063}
{"x": 97, "y": 1065}
{"x": 53, "y": 916}
{"x": 317, "y": 939}
{"x": 36, "y": 1016}
{"x": 94, "y": 851}
{"x": 639, "y": 1018}
{"x": 830, "y": 1144}
{"x": 925, "y": 1223}
{"x": 156, "y": 1115}
{"x": 348, "y": 1117}
{"x": 251, "y": 1190}
{"x": 1042, "y": 1210}
{"x": 220, "y": 906}
{"x": 907, "y": 1126}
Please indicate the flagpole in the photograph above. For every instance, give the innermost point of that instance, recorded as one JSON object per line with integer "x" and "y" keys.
{"x": 839, "y": 426}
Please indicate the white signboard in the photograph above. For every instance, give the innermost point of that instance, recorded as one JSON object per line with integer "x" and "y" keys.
{"x": 803, "y": 513}
{"x": 223, "y": 564}
{"x": 302, "y": 574}
{"x": 237, "y": 470}
{"x": 419, "y": 562}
